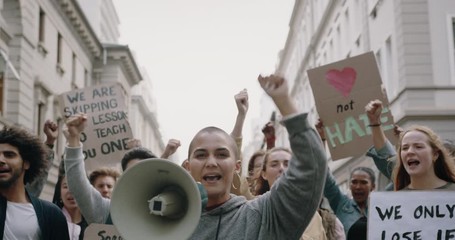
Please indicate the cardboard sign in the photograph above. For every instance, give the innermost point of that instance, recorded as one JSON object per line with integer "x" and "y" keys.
{"x": 97, "y": 231}
{"x": 108, "y": 129}
{"x": 411, "y": 215}
{"x": 341, "y": 91}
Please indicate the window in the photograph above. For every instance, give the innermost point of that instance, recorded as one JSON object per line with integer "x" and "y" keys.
{"x": 41, "y": 33}
{"x": 59, "y": 49}
{"x": 391, "y": 84}
{"x": 40, "y": 117}
{"x": 41, "y": 25}
{"x": 86, "y": 78}
{"x": 41, "y": 97}
{"x": 73, "y": 69}
{"x": 59, "y": 55}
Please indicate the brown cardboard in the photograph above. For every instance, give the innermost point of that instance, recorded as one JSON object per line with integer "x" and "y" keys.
{"x": 342, "y": 90}
{"x": 107, "y": 130}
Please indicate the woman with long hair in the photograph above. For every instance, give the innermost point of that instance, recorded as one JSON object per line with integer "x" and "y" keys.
{"x": 423, "y": 160}
{"x": 64, "y": 199}
{"x": 423, "y": 163}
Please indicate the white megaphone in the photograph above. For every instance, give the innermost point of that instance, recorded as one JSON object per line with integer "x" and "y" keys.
{"x": 156, "y": 199}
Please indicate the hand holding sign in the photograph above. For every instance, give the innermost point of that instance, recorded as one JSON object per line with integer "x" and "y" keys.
{"x": 320, "y": 128}
{"x": 397, "y": 130}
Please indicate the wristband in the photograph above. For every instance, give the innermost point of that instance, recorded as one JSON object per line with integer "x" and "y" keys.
{"x": 374, "y": 125}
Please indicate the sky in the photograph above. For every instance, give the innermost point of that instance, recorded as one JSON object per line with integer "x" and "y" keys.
{"x": 200, "y": 53}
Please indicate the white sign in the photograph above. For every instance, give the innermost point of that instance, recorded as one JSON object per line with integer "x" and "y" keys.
{"x": 412, "y": 215}
{"x": 97, "y": 231}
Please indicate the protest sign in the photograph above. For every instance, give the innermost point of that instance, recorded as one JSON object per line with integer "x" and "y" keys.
{"x": 411, "y": 215}
{"x": 341, "y": 91}
{"x": 101, "y": 232}
{"x": 108, "y": 129}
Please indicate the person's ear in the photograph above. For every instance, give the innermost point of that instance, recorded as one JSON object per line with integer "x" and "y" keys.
{"x": 435, "y": 156}
{"x": 186, "y": 165}
{"x": 263, "y": 175}
{"x": 26, "y": 165}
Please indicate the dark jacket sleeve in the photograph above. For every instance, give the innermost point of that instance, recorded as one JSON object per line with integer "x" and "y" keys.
{"x": 58, "y": 228}
{"x": 51, "y": 220}
{"x": 2, "y": 215}
{"x": 36, "y": 187}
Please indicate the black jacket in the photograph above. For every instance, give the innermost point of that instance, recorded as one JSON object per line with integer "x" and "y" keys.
{"x": 51, "y": 220}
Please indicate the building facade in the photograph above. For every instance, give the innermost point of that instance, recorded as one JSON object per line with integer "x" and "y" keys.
{"x": 414, "y": 45}
{"x": 49, "y": 47}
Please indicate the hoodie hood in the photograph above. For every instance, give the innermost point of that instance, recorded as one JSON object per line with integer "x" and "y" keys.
{"x": 230, "y": 205}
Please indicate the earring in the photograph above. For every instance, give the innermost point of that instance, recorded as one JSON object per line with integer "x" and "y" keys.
{"x": 236, "y": 179}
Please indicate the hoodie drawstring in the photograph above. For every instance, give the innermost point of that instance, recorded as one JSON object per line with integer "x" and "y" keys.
{"x": 219, "y": 224}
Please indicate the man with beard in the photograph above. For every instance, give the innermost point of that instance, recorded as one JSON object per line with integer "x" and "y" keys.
{"x": 23, "y": 216}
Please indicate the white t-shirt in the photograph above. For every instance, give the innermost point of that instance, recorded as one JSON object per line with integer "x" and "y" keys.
{"x": 21, "y": 222}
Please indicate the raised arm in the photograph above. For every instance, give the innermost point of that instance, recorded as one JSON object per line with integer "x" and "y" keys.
{"x": 240, "y": 185}
{"x": 373, "y": 110}
{"x": 294, "y": 198}
{"x": 51, "y": 131}
{"x": 93, "y": 206}
{"x": 331, "y": 190}
{"x": 269, "y": 135}
{"x": 171, "y": 148}
{"x": 241, "y": 101}
{"x": 382, "y": 149}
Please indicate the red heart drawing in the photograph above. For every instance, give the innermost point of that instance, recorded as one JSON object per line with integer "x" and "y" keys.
{"x": 343, "y": 81}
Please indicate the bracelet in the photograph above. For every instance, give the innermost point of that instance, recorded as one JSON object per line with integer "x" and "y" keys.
{"x": 374, "y": 125}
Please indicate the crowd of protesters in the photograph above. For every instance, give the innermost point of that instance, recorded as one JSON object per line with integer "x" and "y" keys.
{"x": 280, "y": 196}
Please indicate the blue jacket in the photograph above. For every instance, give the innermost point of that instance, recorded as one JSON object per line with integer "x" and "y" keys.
{"x": 51, "y": 220}
{"x": 345, "y": 208}
{"x": 383, "y": 158}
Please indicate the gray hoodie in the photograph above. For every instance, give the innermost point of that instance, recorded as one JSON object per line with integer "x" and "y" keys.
{"x": 286, "y": 210}
{"x": 282, "y": 213}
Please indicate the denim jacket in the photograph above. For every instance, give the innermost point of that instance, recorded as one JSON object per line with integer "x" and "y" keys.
{"x": 345, "y": 208}
{"x": 384, "y": 158}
